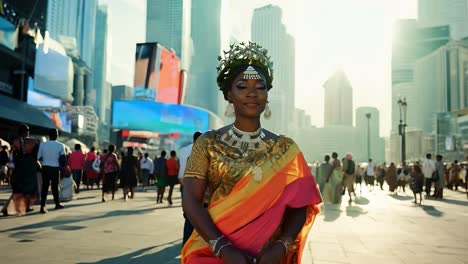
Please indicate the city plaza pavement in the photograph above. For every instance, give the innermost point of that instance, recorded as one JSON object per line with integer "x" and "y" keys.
{"x": 377, "y": 228}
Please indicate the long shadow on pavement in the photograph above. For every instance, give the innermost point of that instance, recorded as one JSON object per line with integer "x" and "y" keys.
{"x": 355, "y": 211}
{"x": 361, "y": 200}
{"x": 401, "y": 197}
{"x": 451, "y": 201}
{"x": 64, "y": 220}
{"x": 167, "y": 255}
{"x": 331, "y": 212}
{"x": 432, "y": 211}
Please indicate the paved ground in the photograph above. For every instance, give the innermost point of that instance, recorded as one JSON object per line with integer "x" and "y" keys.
{"x": 377, "y": 228}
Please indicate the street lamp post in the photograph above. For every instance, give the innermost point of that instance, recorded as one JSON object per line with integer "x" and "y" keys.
{"x": 368, "y": 115}
{"x": 402, "y": 127}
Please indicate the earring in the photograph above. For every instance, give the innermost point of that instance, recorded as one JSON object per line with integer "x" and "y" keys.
{"x": 229, "y": 110}
{"x": 267, "y": 112}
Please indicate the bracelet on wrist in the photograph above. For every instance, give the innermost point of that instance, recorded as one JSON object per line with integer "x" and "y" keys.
{"x": 218, "y": 253}
{"x": 287, "y": 243}
{"x": 214, "y": 242}
{"x": 218, "y": 244}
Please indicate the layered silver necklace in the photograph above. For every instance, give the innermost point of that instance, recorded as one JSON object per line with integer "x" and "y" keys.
{"x": 244, "y": 141}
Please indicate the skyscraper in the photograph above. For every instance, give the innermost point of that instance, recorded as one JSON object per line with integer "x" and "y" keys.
{"x": 102, "y": 89}
{"x": 454, "y": 13}
{"x": 74, "y": 18}
{"x": 168, "y": 22}
{"x": 338, "y": 100}
{"x": 269, "y": 32}
{"x": 206, "y": 36}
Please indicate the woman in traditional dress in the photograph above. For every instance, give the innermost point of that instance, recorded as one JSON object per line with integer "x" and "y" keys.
{"x": 128, "y": 175}
{"x": 263, "y": 197}
{"x": 91, "y": 174}
{"x": 417, "y": 182}
{"x": 23, "y": 179}
{"x": 334, "y": 182}
{"x": 111, "y": 168}
{"x": 391, "y": 178}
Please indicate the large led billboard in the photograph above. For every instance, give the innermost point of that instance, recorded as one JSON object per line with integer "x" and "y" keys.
{"x": 157, "y": 74}
{"x": 62, "y": 120}
{"x": 53, "y": 72}
{"x": 158, "y": 117}
{"x": 7, "y": 33}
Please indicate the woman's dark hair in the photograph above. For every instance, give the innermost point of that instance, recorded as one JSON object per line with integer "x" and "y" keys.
{"x": 77, "y": 146}
{"x": 111, "y": 148}
{"x": 130, "y": 150}
{"x": 23, "y": 129}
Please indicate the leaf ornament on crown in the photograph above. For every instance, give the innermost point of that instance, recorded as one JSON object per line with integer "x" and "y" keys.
{"x": 244, "y": 54}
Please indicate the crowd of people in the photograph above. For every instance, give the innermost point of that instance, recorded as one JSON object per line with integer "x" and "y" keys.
{"x": 428, "y": 176}
{"x": 31, "y": 167}
{"x": 248, "y": 195}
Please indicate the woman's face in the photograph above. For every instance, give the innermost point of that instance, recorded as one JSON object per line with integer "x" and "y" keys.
{"x": 249, "y": 97}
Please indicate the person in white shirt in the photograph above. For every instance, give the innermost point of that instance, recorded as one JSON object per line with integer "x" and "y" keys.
{"x": 147, "y": 167}
{"x": 370, "y": 175}
{"x": 428, "y": 169}
{"x": 184, "y": 154}
{"x": 50, "y": 153}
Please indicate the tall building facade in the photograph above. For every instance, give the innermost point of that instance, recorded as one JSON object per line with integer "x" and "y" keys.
{"x": 74, "y": 18}
{"x": 454, "y": 13}
{"x": 206, "y": 37}
{"x": 168, "y": 22}
{"x": 269, "y": 32}
{"x": 411, "y": 44}
{"x": 102, "y": 88}
{"x": 338, "y": 100}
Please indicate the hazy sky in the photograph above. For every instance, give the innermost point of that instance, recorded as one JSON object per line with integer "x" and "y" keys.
{"x": 352, "y": 34}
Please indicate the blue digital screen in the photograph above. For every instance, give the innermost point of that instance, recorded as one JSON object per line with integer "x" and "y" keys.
{"x": 158, "y": 117}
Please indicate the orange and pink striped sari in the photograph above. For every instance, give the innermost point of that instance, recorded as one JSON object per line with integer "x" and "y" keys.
{"x": 253, "y": 211}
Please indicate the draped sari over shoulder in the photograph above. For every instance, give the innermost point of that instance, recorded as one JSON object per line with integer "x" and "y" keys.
{"x": 249, "y": 195}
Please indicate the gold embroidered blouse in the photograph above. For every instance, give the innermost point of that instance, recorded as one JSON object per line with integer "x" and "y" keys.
{"x": 222, "y": 166}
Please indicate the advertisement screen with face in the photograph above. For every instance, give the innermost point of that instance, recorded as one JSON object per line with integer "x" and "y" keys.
{"x": 169, "y": 78}
{"x": 157, "y": 74}
{"x": 146, "y": 74}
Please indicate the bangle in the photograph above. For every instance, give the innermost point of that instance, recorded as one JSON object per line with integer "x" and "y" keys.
{"x": 218, "y": 253}
{"x": 213, "y": 243}
{"x": 286, "y": 244}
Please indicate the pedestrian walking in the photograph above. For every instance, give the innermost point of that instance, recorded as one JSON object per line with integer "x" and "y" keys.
{"x": 391, "y": 178}
{"x": 428, "y": 169}
{"x": 417, "y": 182}
{"x": 92, "y": 176}
{"x": 349, "y": 170}
{"x": 110, "y": 169}
{"x": 370, "y": 175}
{"x": 439, "y": 178}
{"x": 76, "y": 162}
{"x": 23, "y": 178}
{"x": 172, "y": 165}
{"x": 147, "y": 167}
{"x": 323, "y": 170}
{"x": 381, "y": 175}
{"x": 130, "y": 167}
{"x": 160, "y": 170}
{"x": 334, "y": 182}
{"x": 53, "y": 156}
